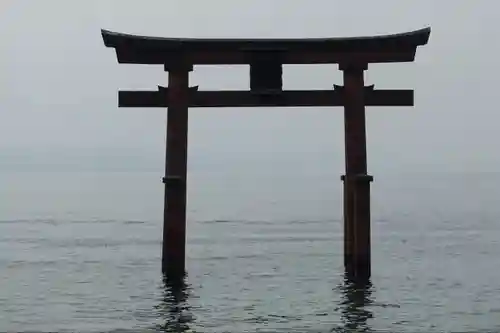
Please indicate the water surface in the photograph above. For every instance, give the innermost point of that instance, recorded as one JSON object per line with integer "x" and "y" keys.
{"x": 80, "y": 251}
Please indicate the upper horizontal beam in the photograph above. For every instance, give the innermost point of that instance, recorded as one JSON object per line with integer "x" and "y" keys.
{"x": 155, "y": 50}
{"x": 127, "y": 56}
{"x": 293, "y": 98}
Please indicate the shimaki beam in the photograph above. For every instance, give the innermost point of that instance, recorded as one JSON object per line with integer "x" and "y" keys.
{"x": 266, "y": 58}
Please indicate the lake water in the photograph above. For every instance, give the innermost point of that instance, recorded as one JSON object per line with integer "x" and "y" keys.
{"x": 80, "y": 251}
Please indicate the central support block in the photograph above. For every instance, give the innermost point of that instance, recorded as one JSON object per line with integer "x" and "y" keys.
{"x": 266, "y": 72}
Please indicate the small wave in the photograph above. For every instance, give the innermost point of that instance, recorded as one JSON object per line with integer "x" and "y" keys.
{"x": 222, "y": 221}
{"x": 134, "y": 222}
{"x": 227, "y": 257}
{"x": 87, "y": 242}
{"x": 302, "y": 222}
{"x": 105, "y": 221}
{"x": 267, "y": 222}
{"x": 31, "y": 221}
{"x": 52, "y": 221}
{"x": 41, "y": 262}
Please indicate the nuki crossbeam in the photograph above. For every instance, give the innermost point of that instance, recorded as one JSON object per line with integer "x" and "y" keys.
{"x": 265, "y": 58}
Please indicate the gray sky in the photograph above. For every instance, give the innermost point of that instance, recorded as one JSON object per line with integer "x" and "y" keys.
{"x": 59, "y": 83}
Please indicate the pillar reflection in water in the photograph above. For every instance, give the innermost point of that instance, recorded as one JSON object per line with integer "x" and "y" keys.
{"x": 357, "y": 296}
{"x": 174, "y": 309}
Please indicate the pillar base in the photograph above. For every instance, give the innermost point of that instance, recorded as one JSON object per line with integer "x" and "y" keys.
{"x": 357, "y": 251}
{"x": 357, "y": 268}
{"x": 172, "y": 268}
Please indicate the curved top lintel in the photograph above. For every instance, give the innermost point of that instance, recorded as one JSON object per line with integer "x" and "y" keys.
{"x": 159, "y": 50}
{"x": 400, "y": 40}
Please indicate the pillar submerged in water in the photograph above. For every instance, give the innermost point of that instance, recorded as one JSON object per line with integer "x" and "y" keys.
{"x": 266, "y": 58}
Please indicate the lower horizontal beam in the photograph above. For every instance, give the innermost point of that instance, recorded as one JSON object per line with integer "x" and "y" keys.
{"x": 291, "y": 98}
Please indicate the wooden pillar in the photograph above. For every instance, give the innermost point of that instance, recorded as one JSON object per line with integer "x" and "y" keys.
{"x": 357, "y": 252}
{"x": 175, "y": 180}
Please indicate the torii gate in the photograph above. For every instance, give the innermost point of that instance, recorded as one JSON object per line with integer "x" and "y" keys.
{"x": 266, "y": 58}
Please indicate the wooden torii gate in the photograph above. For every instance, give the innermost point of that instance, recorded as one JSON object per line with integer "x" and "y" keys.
{"x": 266, "y": 58}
